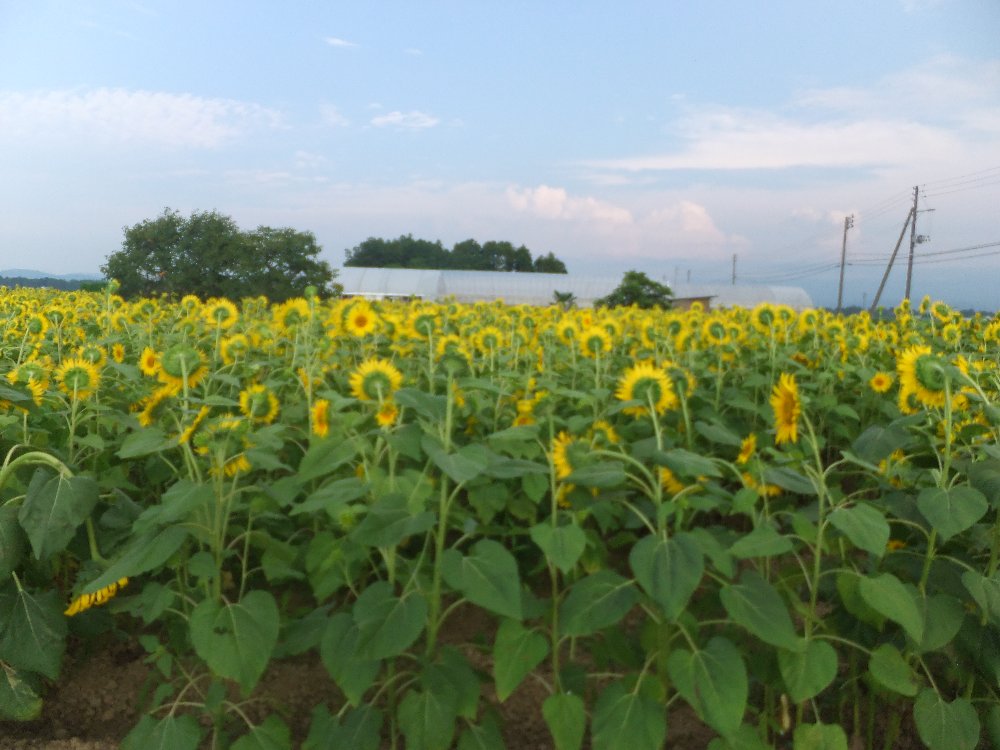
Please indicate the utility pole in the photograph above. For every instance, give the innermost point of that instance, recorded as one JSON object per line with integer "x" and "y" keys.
{"x": 734, "y": 269}
{"x": 848, "y": 223}
{"x": 892, "y": 259}
{"x": 913, "y": 241}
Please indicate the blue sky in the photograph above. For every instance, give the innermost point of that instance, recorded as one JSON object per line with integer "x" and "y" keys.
{"x": 662, "y": 136}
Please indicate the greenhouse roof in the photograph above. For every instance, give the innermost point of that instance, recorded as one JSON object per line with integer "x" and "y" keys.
{"x": 538, "y": 288}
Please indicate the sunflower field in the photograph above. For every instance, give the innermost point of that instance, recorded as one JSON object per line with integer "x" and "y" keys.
{"x": 784, "y": 523}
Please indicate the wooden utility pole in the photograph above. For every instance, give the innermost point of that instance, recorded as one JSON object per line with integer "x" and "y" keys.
{"x": 892, "y": 259}
{"x": 734, "y": 269}
{"x": 913, "y": 240}
{"x": 848, "y": 223}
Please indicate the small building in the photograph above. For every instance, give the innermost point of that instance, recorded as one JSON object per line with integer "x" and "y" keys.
{"x": 540, "y": 288}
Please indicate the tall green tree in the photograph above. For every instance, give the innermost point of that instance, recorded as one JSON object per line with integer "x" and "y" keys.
{"x": 636, "y": 288}
{"x": 208, "y": 255}
{"x": 468, "y": 255}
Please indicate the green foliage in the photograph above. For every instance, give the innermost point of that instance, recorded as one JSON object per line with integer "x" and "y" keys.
{"x": 468, "y": 255}
{"x": 636, "y": 288}
{"x": 207, "y": 255}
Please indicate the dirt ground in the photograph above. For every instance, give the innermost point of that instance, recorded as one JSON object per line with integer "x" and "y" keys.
{"x": 97, "y": 701}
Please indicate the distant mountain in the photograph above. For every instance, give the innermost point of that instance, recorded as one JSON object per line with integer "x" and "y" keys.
{"x": 26, "y": 273}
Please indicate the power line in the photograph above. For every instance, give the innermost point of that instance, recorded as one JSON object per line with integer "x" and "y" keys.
{"x": 865, "y": 259}
{"x": 967, "y": 177}
{"x": 995, "y": 181}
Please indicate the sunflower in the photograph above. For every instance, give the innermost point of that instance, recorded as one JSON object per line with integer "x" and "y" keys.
{"x": 185, "y": 436}
{"x": 234, "y": 347}
{"x": 787, "y": 409}
{"x": 880, "y": 382}
{"x": 647, "y": 383}
{"x": 951, "y": 334}
{"x": 182, "y": 361}
{"x": 291, "y": 313}
{"x": 595, "y": 342}
{"x": 101, "y": 596}
{"x": 715, "y": 332}
{"x": 149, "y": 407}
{"x": 669, "y": 481}
{"x": 259, "y": 404}
{"x": 603, "y": 433}
{"x": 149, "y": 361}
{"x": 220, "y": 313}
{"x": 375, "y": 379}
{"x": 921, "y": 374}
{"x": 387, "y": 413}
{"x": 360, "y": 321}
{"x": 78, "y": 376}
{"x": 118, "y": 353}
{"x": 747, "y": 448}
{"x": 319, "y": 418}
{"x": 566, "y": 453}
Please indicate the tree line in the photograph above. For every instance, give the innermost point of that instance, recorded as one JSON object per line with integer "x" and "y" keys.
{"x": 469, "y": 255}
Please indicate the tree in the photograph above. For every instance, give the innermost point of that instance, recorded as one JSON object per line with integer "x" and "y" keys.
{"x": 636, "y": 288}
{"x": 468, "y": 255}
{"x": 208, "y": 255}
{"x": 565, "y": 300}
{"x": 549, "y": 263}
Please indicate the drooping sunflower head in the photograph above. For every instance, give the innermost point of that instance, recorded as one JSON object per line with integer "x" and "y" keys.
{"x": 182, "y": 361}
{"x": 764, "y": 317}
{"x": 234, "y": 347}
{"x": 78, "y": 376}
{"x": 291, "y": 314}
{"x": 921, "y": 373}
{"x": 715, "y": 332}
{"x": 747, "y": 448}
{"x": 648, "y": 384}
{"x": 951, "y": 334}
{"x": 603, "y": 433}
{"x": 568, "y": 454}
{"x": 220, "y": 313}
{"x": 94, "y": 354}
{"x": 259, "y": 404}
{"x": 787, "y": 409}
{"x": 941, "y": 311}
{"x": 595, "y": 342}
{"x": 375, "y": 380}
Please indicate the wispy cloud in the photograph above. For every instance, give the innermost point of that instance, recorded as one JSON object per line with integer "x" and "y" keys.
{"x": 415, "y": 51}
{"x": 118, "y": 116}
{"x": 946, "y": 109}
{"x": 336, "y": 41}
{"x": 413, "y": 120}
{"x": 332, "y": 116}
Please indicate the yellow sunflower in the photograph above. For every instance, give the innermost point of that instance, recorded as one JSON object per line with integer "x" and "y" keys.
{"x": 78, "y": 376}
{"x": 387, "y": 413}
{"x": 220, "y": 313}
{"x": 182, "y": 361}
{"x": 921, "y": 374}
{"x": 234, "y": 347}
{"x": 747, "y": 448}
{"x": 787, "y": 409}
{"x": 595, "y": 342}
{"x": 650, "y": 385}
{"x": 319, "y": 417}
{"x": 149, "y": 361}
{"x": 259, "y": 404}
{"x": 101, "y": 596}
{"x": 566, "y": 453}
{"x": 880, "y": 382}
{"x": 375, "y": 380}
{"x": 118, "y": 353}
{"x": 360, "y": 321}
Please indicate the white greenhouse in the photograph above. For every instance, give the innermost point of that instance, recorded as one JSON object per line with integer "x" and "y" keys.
{"x": 540, "y": 288}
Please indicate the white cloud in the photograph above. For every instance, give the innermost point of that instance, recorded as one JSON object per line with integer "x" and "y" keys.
{"x": 332, "y": 116}
{"x": 117, "y": 116}
{"x": 415, "y": 51}
{"x": 945, "y": 111}
{"x": 334, "y": 41}
{"x": 413, "y": 120}
{"x": 555, "y": 203}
